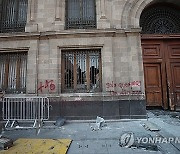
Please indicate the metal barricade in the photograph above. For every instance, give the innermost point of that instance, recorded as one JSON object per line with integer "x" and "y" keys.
{"x": 25, "y": 109}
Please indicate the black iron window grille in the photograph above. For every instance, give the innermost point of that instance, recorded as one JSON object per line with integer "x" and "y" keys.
{"x": 80, "y": 14}
{"x": 160, "y": 19}
{"x": 13, "y": 67}
{"x": 81, "y": 71}
{"x": 13, "y": 15}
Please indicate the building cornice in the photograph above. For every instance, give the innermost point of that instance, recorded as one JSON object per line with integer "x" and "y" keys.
{"x": 156, "y": 36}
{"x": 68, "y": 34}
{"x": 18, "y": 36}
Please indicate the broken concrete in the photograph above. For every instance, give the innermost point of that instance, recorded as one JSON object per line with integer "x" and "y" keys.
{"x": 60, "y": 122}
{"x": 5, "y": 143}
{"x": 100, "y": 122}
{"x": 150, "y": 126}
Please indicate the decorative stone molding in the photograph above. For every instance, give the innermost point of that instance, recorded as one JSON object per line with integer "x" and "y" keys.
{"x": 19, "y": 49}
{"x": 59, "y": 15}
{"x": 130, "y": 11}
{"x": 58, "y": 12}
{"x": 31, "y": 26}
{"x": 32, "y": 10}
{"x": 103, "y": 22}
{"x": 102, "y": 8}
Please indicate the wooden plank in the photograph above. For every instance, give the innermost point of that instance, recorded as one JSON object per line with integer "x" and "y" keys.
{"x": 18, "y": 66}
{"x": 87, "y": 72}
{"x": 62, "y": 73}
{"x": 6, "y": 73}
{"x": 75, "y": 72}
{"x": 100, "y": 73}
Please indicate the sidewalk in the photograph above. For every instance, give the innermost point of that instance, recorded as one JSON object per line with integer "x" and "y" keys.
{"x": 108, "y": 140}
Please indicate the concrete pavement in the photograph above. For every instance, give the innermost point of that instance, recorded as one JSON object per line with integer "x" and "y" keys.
{"x": 108, "y": 140}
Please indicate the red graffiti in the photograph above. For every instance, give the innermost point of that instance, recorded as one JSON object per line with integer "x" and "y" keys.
{"x": 48, "y": 84}
{"x": 125, "y": 92}
{"x": 123, "y": 85}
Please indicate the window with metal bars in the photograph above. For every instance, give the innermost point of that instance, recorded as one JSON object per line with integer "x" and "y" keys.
{"x": 13, "y": 15}
{"x": 80, "y": 14}
{"x": 81, "y": 71}
{"x": 13, "y": 67}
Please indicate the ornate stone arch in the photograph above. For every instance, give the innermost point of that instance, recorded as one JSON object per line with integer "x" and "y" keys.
{"x": 132, "y": 11}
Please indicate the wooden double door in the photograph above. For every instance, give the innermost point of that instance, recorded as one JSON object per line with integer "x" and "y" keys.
{"x": 161, "y": 58}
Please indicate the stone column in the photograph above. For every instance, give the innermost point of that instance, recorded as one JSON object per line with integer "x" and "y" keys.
{"x": 107, "y": 65}
{"x": 135, "y": 57}
{"x": 32, "y": 65}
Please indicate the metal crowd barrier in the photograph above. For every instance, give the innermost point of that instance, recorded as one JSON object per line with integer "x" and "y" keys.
{"x": 25, "y": 109}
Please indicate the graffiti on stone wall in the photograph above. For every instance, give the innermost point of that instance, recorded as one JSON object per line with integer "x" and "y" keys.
{"x": 48, "y": 84}
{"x": 128, "y": 88}
{"x": 125, "y": 92}
{"x": 123, "y": 85}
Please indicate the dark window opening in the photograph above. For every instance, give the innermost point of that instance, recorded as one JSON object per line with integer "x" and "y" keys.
{"x": 13, "y": 67}
{"x": 13, "y": 15}
{"x": 80, "y": 14}
{"x": 81, "y": 71}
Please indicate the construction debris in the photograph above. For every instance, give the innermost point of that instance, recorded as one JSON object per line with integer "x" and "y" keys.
{"x": 5, "y": 143}
{"x": 60, "y": 122}
{"x": 150, "y": 126}
{"x": 100, "y": 122}
{"x": 39, "y": 125}
{"x": 150, "y": 147}
{"x": 1, "y": 95}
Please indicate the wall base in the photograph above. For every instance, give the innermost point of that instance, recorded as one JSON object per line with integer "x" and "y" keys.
{"x": 88, "y": 110}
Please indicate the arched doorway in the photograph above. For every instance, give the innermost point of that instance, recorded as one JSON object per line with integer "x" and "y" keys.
{"x": 161, "y": 55}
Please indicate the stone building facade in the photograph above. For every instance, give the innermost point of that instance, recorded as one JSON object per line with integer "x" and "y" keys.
{"x": 111, "y": 48}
